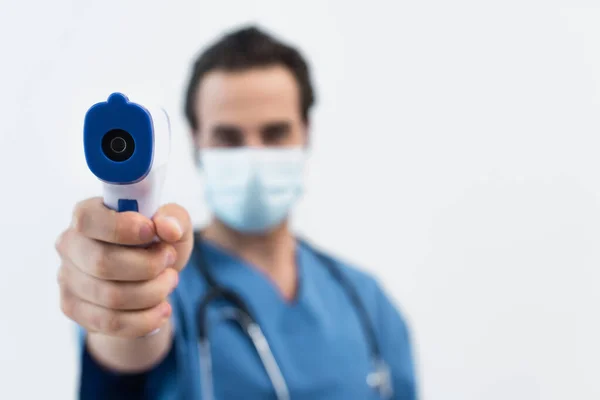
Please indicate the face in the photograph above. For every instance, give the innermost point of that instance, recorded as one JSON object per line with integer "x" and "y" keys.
{"x": 258, "y": 107}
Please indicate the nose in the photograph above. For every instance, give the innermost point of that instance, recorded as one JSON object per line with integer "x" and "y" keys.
{"x": 254, "y": 140}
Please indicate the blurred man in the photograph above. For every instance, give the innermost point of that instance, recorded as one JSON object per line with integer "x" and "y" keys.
{"x": 242, "y": 309}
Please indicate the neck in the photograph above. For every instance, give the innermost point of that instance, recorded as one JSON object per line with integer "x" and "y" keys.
{"x": 272, "y": 253}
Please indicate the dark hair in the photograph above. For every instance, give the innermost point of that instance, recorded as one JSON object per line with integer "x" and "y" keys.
{"x": 246, "y": 48}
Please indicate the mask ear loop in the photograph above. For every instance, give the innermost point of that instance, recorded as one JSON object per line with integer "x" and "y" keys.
{"x": 197, "y": 159}
{"x": 196, "y": 151}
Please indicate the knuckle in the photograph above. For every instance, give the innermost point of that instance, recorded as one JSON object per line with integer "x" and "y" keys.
{"x": 67, "y": 306}
{"x": 79, "y": 217}
{"x": 112, "y": 323}
{"x": 119, "y": 227}
{"x": 124, "y": 227}
{"x": 61, "y": 242}
{"x": 113, "y": 297}
{"x": 95, "y": 321}
{"x": 61, "y": 277}
{"x": 156, "y": 264}
{"x": 101, "y": 264}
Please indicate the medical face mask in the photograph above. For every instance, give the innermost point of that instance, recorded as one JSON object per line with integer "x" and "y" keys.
{"x": 252, "y": 190}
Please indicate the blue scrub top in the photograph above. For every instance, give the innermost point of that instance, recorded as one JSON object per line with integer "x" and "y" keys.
{"x": 317, "y": 339}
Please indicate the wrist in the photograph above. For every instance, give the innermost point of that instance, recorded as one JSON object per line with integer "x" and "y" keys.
{"x": 135, "y": 355}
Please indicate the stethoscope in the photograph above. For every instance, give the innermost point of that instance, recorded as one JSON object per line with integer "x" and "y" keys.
{"x": 379, "y": 379}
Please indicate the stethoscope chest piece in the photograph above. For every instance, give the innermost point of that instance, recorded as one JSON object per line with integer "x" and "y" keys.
{"x": 381, "y": 379}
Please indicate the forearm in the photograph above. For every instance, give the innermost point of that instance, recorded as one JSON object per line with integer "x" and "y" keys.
{"x": 130, "y": 355}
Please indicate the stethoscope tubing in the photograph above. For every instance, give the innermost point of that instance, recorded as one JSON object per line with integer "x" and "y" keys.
{"x": 241, "y": 313}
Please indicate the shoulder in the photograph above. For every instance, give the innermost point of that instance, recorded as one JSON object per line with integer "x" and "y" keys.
{"x": 378, "y": 303}
{"x": 390, "y": 326}
{"x": 365, "y": 283}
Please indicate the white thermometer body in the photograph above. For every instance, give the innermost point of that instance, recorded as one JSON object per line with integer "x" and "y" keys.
{"x": 127, "y": 147}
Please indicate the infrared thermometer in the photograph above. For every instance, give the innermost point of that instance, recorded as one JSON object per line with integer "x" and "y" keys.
{"x": 127, "y": 148}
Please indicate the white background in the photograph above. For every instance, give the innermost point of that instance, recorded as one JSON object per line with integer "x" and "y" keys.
{"x": 455, "y": 156}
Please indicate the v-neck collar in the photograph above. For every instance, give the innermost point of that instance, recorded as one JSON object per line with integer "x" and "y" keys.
{"x": 256, "y": 288}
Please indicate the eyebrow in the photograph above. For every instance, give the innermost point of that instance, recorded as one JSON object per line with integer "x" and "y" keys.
{"x": 277, "y": 126}
{"x": 270, "y": 128}
{"x": 227, "y": 130}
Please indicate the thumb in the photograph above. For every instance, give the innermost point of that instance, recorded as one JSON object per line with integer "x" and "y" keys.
{"x": 174, "y": 226}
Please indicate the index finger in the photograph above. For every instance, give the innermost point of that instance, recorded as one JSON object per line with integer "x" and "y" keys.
{"x": 94, "y": 220}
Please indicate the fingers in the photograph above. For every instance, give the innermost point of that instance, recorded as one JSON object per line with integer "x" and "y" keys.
{"x": 113, "y": 262}
{"x": 173, "y": 225}
{"x": 124, "y": 296}
{"x": 93, "y": 219}
{"x": 127, "y": 324}
{"x": 111, "y": 285}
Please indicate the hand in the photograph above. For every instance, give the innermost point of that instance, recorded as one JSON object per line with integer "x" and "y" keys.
{"x": 109, "y": 287}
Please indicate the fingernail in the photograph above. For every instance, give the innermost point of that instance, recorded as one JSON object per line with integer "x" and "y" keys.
{"x": 154, "y": 332}
{"x": 174, "y": 280}
{"x": 165, "y": 310}
{"x": 146, "y": 234}
{"x": 170, "y": 258}
{"x": 175, "y": 224}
